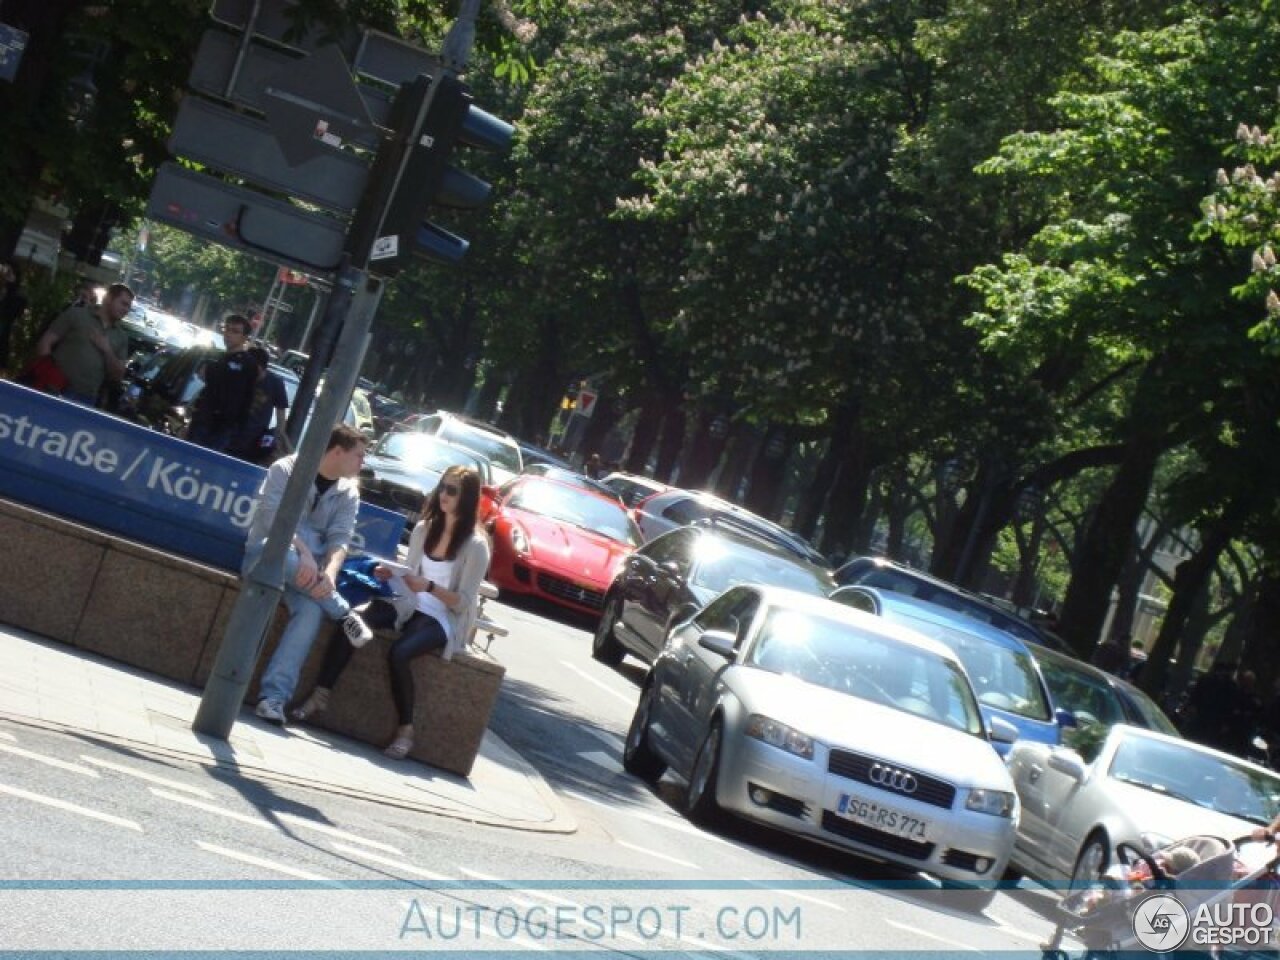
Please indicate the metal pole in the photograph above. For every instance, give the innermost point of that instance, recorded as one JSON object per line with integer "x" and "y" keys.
{"x": 322, "y": 346}
{"x": 263, "y": 585}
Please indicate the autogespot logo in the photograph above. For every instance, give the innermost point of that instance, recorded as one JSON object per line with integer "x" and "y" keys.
{"x": 1161, "y": 923}
{"x": 892, "y": 778}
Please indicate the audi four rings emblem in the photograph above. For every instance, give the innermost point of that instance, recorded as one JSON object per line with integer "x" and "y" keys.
{"x": 892, "y": 778}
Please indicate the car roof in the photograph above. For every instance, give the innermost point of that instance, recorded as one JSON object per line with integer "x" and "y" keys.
{"x": 936, "y": 613}
{"x": 536, "y": 478}
{"x": 884, "y": 563}
{"x": 748, "y": 537}
{"x": 821, "y": 606}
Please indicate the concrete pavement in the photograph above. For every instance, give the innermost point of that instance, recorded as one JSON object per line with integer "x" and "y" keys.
{"x": 49, "y": 684}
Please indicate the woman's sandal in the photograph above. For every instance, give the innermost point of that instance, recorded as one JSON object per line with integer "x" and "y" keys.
{"x": 400, "y": 746}
{"x": 318, "y": 702}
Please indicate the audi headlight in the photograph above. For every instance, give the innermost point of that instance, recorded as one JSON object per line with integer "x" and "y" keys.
{"x": 780, "y": 735}
{"x": 998, "y": 803}
{"x": 519, "y": 540}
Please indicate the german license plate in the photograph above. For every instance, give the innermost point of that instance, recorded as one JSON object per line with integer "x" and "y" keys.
{"x": 882, "y": 818}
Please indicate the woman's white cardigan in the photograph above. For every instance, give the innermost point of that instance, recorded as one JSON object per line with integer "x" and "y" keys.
{"x": 469, "y": 567}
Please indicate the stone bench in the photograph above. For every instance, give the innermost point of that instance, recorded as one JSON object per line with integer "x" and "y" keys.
{"x": 167, "y": 615}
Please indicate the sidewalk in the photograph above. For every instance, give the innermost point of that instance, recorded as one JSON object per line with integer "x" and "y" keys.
{"x": 48, "y": 684}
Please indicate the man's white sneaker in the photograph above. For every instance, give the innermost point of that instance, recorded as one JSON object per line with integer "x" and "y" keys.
{"x": 272, "y": 711}
{"x": 356, "y": 629}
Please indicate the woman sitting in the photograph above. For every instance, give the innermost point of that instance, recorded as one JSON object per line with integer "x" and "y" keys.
{"x": 449, "y": 557}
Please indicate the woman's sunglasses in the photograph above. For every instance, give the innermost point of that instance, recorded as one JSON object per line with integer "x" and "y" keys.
{"x": 452, "y": 489}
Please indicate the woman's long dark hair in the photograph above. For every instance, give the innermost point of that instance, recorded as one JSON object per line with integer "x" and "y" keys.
{"x": 468, "y": 481}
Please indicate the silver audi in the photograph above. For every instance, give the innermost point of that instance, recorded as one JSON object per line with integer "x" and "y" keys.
{"x": 832, "y": 724}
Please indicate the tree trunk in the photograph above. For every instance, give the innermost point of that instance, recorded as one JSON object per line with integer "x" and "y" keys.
{"x": 847, "y": 500}
{"x": 673, "y": 428}
{"x": 767, "y": 474}
{"x": 704, "y": 455}
{"x": 824, "y": 475}
{"x": 741, "y": 448}
{"x": 652, "y": 408}
{"x": 1029, "y": 549}
{"x": 1189, "y": 583}
{"x": 602, "y": 421}
{"x": 1263, "y": 629}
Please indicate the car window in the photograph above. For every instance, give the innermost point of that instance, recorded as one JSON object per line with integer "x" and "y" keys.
{"x": 498, "y": 449}
{"x": 1002, "y": 677}
{"x": 858, "y": 599}
{"x": 630, "y": 491}
{"x": 672, "y": 547}
{"x": 721, "y": 562}
{"x": 887, "y": 579}
{"x": 1216, "y": 783}
{"x": 1148, "y": 713}
{"x": 685, "y": 510}
{"x": 1090, "y": 698}
{"x": 843, "y": 657}
{"x": 732, "y": 611}
{"x": 583, "y": 510}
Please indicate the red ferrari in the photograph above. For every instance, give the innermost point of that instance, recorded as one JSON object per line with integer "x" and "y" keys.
{"x": 555, "y": 541}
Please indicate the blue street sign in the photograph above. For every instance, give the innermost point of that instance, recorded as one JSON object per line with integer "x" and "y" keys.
{"x": 12, "y": 42}
{"x": 125, "y": 479}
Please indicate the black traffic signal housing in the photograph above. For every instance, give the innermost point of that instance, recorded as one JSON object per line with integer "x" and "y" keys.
{"x": 413, "y": 173}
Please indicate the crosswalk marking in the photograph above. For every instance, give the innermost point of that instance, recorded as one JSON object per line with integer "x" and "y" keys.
{"x": 70, "y": 807}
{"x": 258, "y": 861}
{"x": 143, "y": 775}
{"x": 263, "y": 820}
{"x": 388, "y": 862}
{"x": 49, "y": 761}
{"x": 654, "y": 853}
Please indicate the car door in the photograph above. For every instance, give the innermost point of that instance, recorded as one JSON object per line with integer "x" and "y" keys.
{"x": 1028, "y": 763}
{"x": 655, "y": 583}
{"x": 688, "y": 678}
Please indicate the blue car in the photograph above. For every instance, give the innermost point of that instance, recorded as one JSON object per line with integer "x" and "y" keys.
{"x": 1000, "y": 666}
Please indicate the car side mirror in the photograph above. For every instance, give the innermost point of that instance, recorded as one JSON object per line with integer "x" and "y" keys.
{"x": 1067, "y": 762}
{"x": 1001, "y": 730}
{"x": 670, "y": 568}
{"x": 719, "y": 641}
{"x": 1065, "y": 718}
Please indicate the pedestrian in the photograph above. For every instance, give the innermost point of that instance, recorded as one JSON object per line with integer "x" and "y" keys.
{"x": 448, "y": 557}
{"x": 257, "y": 441}
{"x": 222, "y": 409}
{"x": 13, "y": 303}
{"x": 1113, "y": 656}
{"x": 312, "y": 564}
{"x": 88, "y": 345}
{"x": 592, "y": 467}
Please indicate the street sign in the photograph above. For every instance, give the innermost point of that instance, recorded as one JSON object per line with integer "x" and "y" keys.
{"x": 586, "y": 402}
{"x": 215, "y": 62}
{"x": 313, "y": 106}
{"x": 233, "y": 142}
{"x": 275, "y": 230}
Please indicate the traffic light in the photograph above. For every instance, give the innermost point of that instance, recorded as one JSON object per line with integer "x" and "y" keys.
{"x": 413, "y": 173}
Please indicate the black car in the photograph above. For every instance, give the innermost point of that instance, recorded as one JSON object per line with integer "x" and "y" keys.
{"x": 402, "y": 468}
{"x": 1095, "y": 696}
{"x": 887, "y": 575}
{"x": 677, "y": 573}
{"x": 386, "y": 412}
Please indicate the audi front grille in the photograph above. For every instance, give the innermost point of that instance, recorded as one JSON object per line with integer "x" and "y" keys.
{"x": 572, "y": 592}
{"x": 871, "y": 837}
{"x": 855, "y": 766}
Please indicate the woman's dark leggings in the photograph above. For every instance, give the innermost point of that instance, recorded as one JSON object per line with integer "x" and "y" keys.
{"x": 421, "y": 635}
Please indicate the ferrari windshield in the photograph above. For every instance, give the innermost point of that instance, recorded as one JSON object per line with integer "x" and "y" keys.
{"x": 843, "y": 657}
{"x": 576, "y": 507}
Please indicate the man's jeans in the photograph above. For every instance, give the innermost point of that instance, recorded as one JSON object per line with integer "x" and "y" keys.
{"x": 305, "y": 614}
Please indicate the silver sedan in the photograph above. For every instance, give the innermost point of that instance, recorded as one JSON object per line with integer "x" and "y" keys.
{"x": 1128, "y": 786}
{"x": 829, "y": 723}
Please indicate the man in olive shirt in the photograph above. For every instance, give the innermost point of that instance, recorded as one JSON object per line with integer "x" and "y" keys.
{"x": 88, "y": 344}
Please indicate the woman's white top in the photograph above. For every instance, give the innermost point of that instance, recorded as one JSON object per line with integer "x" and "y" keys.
{"x": 439, "y": 571}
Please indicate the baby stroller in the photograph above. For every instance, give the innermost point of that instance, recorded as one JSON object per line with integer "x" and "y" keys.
{"x": 1196, "y": 871}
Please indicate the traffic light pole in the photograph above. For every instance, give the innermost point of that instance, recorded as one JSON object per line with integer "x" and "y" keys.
{"x": 263, "y": 584}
